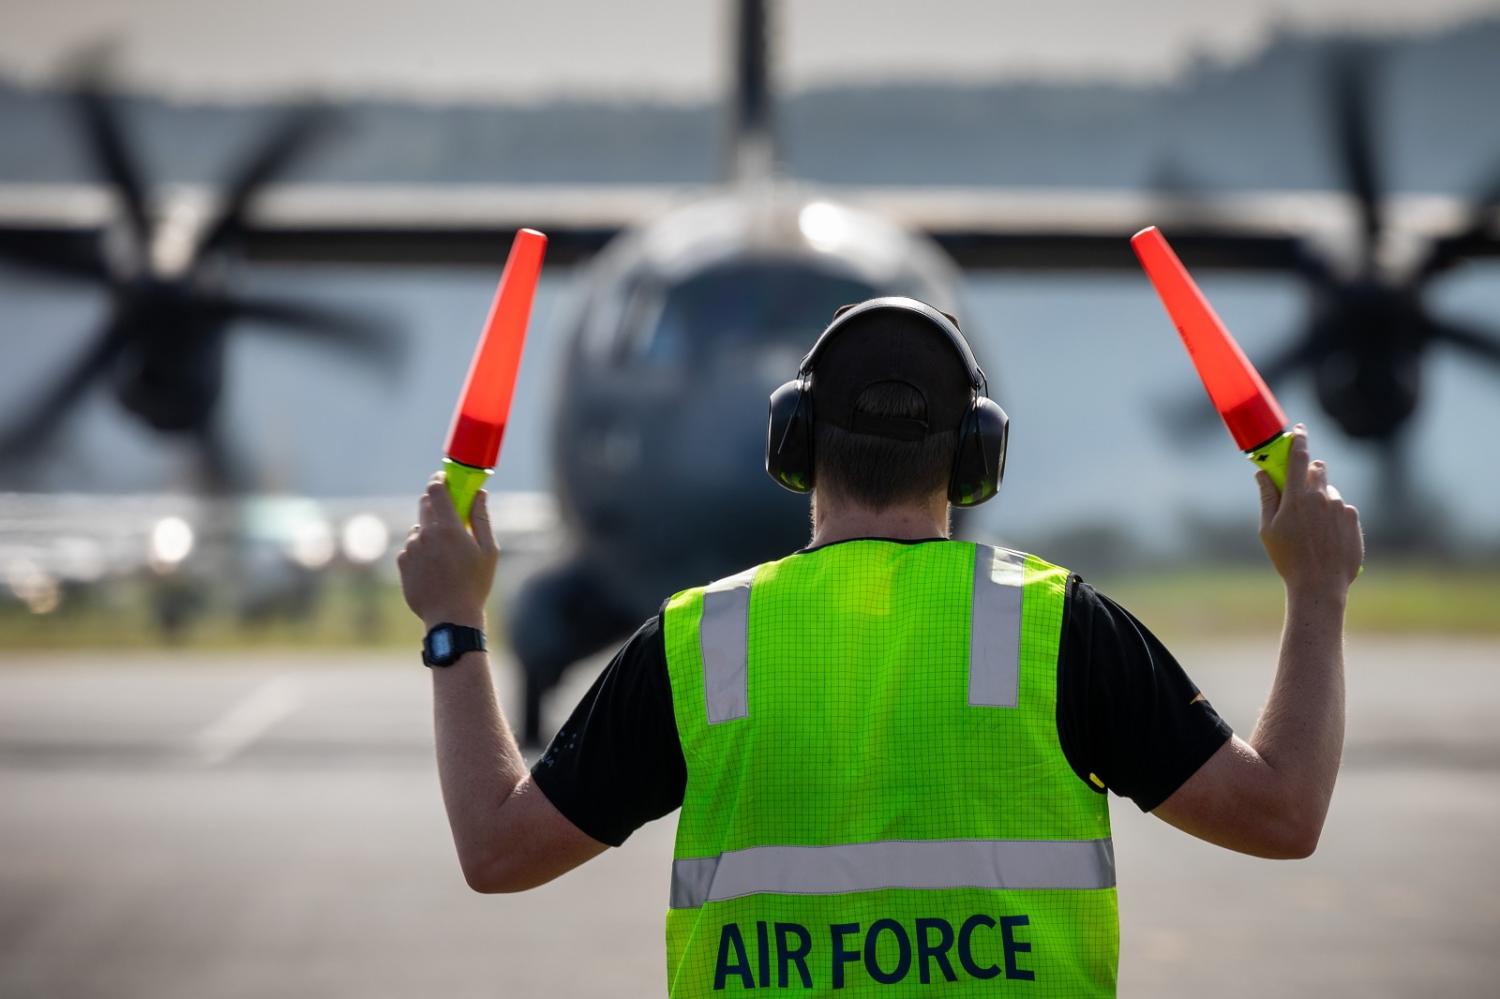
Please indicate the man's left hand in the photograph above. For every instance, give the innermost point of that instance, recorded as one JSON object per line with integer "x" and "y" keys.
{"x": 446, "y": 569}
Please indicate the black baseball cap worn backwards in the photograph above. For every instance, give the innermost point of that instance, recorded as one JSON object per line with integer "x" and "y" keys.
{"x": 891, "y": 340}
{"x": 898, "y": 340}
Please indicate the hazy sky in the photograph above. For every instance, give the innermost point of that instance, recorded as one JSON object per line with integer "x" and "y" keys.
{"x": 666, "y": 48}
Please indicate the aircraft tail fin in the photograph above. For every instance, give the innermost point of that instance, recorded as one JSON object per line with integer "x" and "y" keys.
{"x": 750, "y": 150}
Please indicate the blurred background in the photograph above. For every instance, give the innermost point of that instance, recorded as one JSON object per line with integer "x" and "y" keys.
{"x": 246, "y": 250}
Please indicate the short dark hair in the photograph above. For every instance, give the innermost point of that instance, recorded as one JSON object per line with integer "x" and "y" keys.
{"x": 879, "y": 472}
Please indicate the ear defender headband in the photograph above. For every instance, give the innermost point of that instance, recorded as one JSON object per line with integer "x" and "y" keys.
{"x": 978, "y": 460}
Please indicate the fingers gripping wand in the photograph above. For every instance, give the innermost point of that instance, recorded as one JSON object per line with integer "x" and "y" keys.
{"x": 479, "y": 421}
{"x": 1247, "y": 407}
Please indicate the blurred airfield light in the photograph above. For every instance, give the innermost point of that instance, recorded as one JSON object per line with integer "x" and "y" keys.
{"x": 34, "y": 587}
{"x": 365, "y": 538}
{"x": 824, "y": 225}
{"x": 171, "y": 542}
{"x": 312, "y": 545}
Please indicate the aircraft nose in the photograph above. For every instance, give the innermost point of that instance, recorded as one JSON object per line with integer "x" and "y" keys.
{"x": 618, "y": 449}
{"x": 776, "y": 364}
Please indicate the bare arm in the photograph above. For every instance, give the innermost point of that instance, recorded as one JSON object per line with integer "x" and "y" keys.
{"x": 509, "y": 837}
{"x": 1269, "y": 796}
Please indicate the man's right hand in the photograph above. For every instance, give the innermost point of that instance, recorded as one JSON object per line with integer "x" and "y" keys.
{"x": 1312, "y": 536}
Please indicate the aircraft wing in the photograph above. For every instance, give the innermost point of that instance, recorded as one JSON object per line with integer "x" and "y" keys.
{"x": 981, "y": 228}
{"x": 1060, "y": 229}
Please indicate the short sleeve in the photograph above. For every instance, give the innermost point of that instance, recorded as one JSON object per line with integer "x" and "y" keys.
{"x": 1128, "y": 715}
{"x": 617, "y": 762}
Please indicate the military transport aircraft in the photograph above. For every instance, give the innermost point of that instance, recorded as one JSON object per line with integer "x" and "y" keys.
{"x": 694, "y": 305}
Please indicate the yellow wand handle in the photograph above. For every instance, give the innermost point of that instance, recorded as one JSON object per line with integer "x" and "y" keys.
{"x": 1272, "y": 457}
{"x": 463, "y": 482}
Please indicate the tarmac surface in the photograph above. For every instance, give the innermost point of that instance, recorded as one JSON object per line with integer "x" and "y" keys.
{"x": 209, "y": 825}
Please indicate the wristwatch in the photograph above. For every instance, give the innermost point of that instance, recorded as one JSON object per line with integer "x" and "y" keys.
{"x": 445, "y": 643}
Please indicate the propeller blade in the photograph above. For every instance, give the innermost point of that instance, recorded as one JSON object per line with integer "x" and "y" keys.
{"x": 1183, "y": 193}
{"x": 1351, "y": 76}
{"x": 1398, "y": 523}
{"x": 28, "y": 436}
{"x": 1313, "y": 269}
{"x": 1296, "y": 354}
{"x": 99, "y": 117}
{"x": 1466, "y": 338}
{"x": 220, "y": 464}
{"x": 1486, "y": 200}
{"x": 1481, "y": 228}
{"x": 294, "y": 132}
{"x": 1169, "y": 180}
{"x": 1189, "y": 415}
{"x": 42, "y": 252}
{"x": 369, "y": 337}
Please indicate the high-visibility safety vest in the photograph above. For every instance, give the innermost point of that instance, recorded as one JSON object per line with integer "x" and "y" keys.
{"x": 876, "y": 794}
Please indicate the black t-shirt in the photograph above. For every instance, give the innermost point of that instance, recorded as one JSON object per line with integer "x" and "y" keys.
{"x": 1127, "y": 714}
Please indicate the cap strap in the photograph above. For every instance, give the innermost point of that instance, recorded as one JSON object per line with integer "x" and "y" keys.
{"x": 901, "y": 428}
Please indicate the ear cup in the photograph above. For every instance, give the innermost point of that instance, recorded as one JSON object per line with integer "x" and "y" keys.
{"x": 979, "y": 460}
{"x": 789, "y": 437}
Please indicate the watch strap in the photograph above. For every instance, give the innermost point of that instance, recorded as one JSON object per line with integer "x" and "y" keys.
{"x": 449, "y": 647}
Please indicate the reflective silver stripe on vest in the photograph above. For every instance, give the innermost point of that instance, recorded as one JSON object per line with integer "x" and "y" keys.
{"x": 723, "y": 639}
{"x": 1020, "y": 864}
{"x": 692, "y": 881}
{"x": 995, "y": 627}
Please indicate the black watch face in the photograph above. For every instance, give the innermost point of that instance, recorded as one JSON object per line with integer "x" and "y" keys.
{"x": 440, "y": 644}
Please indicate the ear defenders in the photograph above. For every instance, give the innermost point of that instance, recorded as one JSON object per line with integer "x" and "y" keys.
{"x": 978, "y": 460}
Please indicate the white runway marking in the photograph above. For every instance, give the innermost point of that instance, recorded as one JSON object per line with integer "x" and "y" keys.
{"x": 247, "y": 720}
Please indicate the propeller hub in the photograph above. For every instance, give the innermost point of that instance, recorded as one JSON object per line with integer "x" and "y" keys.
{"x": 1368, "y": 373}
{"x": 175, "y": 240}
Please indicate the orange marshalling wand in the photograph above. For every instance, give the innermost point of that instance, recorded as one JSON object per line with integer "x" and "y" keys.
{"x": 479, "y": 421}
{"x": 1247, "y": 407}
